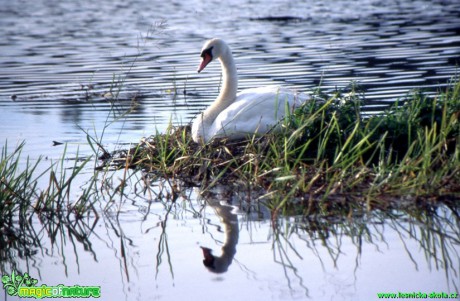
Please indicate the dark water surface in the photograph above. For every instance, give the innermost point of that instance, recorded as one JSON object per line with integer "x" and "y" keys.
{"x": 59, "y": 57}
{"x": 68, "y": 68}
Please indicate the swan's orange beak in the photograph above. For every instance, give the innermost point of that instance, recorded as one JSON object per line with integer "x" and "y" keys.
{"x": 205, "y": 61}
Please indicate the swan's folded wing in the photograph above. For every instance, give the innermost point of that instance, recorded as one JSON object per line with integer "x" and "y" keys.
{"x": 255, "y": 110}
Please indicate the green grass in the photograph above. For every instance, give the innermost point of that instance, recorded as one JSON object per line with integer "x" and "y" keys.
{"x": 329, "y": 159}
{"x": 329, "y": 156}
{"x": 37, "y": 201}
{"x": 20, "y": 191}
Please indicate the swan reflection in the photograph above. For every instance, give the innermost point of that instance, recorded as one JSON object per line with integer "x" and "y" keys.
{"x": 220, "y": 264}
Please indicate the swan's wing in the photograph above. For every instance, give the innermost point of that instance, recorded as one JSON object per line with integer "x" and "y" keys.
{"x": 255, "y": 110}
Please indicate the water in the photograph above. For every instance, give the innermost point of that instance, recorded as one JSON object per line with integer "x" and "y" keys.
{"x": 58, "y": 58}
{"x": 153, "y": 252}
{"x": 62, "y": 62}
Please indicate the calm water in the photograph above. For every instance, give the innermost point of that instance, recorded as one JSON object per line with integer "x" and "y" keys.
{"x": 62, "y": 64}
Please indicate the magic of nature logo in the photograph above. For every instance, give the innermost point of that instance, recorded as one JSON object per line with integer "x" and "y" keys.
{"x": 24, "y": 286}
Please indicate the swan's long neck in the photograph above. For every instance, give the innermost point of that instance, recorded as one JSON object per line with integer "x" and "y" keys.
{"x": 229, "y": 87}
{"x": 230, "y": 221}
{"x": 231, "y": 230}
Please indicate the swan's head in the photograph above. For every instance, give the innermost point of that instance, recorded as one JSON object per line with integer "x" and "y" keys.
{"x": 215, "y": 264}
{"x": 212, "y": 49}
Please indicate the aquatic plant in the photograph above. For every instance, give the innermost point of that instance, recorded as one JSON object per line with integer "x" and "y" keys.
{"x": 23, "y": 199}
{"x": 328, "y": 155}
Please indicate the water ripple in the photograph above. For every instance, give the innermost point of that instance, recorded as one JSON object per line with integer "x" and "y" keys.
{"x": 70, "y": 53}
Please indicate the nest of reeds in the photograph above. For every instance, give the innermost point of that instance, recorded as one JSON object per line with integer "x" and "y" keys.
{"x": 327, "y": 149}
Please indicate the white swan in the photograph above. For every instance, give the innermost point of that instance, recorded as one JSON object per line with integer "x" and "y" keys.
{"x": 235, "y": 116}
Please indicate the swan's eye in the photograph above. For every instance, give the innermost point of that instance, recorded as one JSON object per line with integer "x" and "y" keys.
{"x": 207, "y": 52}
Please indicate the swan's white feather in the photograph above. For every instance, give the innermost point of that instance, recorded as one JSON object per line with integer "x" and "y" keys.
{"x": 251, "y": 111}
{"x": 254, "y": 111}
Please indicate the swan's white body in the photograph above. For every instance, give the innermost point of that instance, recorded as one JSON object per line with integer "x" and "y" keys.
{"x": 235, "y": 116}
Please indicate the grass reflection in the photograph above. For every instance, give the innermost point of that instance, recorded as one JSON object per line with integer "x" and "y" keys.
{"x": 28, "y": 214}
{"x": 163, "y": 247}
{"x": 435, "y": 230}
{"x": 234, "y": 213}
{"x": 25, "y": 241}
